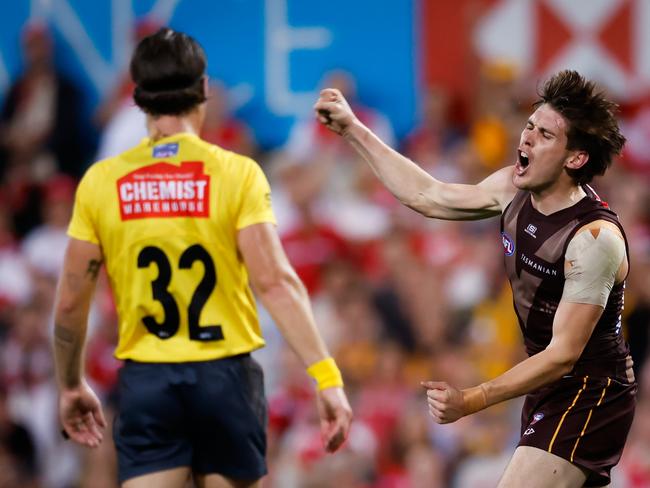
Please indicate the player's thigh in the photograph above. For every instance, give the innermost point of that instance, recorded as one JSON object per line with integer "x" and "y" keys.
{"x": 535, "y": 468}
{"x": 170, "y": 478}
{"x": 214, "y": 480}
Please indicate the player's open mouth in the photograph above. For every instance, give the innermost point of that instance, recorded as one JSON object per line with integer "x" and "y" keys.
{"x": 522, "y": 162}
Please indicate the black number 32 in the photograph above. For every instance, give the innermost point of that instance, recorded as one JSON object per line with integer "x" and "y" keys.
{"x": 160, "y": 291}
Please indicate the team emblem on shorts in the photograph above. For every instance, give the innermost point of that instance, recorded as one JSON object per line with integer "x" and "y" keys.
{"x": 508, "y": 244}
{"x": 537, "y": 417}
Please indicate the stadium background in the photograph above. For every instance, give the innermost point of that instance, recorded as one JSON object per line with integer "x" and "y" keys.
{"x": 398, "y": 298}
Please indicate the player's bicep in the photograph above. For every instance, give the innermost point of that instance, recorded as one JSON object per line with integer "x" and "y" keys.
{"x": 572, "y": 327}
{"x": 593, "y": 259}
{"x": 466, "y": 202}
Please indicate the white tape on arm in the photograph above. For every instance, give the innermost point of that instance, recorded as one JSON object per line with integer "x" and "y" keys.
{"x": 591, "y": 266}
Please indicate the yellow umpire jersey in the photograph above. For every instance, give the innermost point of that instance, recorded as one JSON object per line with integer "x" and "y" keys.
{"x": 166, "y": 216}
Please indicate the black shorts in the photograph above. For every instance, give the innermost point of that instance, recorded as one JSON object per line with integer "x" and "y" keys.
{"x": 208, "y": 415}
{"x": 582, "y": 419}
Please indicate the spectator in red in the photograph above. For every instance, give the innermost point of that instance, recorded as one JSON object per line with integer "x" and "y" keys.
{"x": 15, "y": 282}
{"x": 221, "y": 128}
{"x": 434, "y": 135}
{"x": 45, "y": 245}
{"x": 310, "y": 247}
{"x": 310, "y": 242}
{"x": 309, "y": 137}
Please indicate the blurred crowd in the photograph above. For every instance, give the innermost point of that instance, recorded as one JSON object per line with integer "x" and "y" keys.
{"x": 398, "y": 298}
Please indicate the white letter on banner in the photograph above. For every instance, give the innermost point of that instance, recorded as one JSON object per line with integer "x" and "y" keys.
{"x": 280, "y": 40}
{"x": 72, "y": 29}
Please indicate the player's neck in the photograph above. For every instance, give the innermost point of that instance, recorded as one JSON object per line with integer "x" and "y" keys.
{"x": 556, "y": 199}
{"x": 169, "y": 125}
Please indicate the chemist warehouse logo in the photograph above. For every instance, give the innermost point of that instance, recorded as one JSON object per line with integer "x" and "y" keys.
{"x": 165, "y": 190}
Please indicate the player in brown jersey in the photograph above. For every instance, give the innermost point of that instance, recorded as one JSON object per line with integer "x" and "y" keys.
{"x": 566, "y": 258}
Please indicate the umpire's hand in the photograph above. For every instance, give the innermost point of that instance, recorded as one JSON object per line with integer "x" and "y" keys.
{"x": 335, "y": 417}
{"x": 81, "y": 415}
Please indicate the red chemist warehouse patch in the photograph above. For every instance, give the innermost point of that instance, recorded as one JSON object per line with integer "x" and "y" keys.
{"x": 165, "y": 190}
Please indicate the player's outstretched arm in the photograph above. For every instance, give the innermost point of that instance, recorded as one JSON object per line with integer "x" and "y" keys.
{"x": 79, "y": 408}
{"x": 595, "y": 260}
{"x": 413, "y": 186}
{"x": 286, "y": 299}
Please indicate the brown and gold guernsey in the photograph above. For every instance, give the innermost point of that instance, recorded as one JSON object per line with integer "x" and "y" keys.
{"x": 535, "y": 245}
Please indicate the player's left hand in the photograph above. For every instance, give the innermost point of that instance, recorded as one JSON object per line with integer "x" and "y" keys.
{"x": 81, "y": 415}
{"x": 446, "y": 403}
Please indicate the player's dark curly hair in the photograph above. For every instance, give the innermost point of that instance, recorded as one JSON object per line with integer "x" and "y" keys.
{"x": 592, "y": 125}
{"x": 168, "y": 68}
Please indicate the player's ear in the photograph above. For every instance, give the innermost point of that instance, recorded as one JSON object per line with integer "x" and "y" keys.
{"x": 577, "y": 160}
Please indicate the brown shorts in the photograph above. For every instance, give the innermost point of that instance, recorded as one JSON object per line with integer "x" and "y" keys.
{"x": 582, "y": 419}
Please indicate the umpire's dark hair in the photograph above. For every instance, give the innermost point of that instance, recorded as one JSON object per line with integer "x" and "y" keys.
{"x": 168, "y": 69}
{"x": 592, "y": 125}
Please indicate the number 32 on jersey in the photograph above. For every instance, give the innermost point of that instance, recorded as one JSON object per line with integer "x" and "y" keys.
{"x": 160, "y": 288}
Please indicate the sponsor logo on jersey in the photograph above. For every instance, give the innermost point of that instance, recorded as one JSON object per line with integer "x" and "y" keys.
{"x": 531, "y": 263}
{"x": 530, "y": 230}
{"x": 165, "y": 150}
{"x": 165, "y": 190}
{"x": 508, "y": 244}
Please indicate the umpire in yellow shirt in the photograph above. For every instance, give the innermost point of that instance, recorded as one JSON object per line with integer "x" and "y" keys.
{"x": 182, "y": 226}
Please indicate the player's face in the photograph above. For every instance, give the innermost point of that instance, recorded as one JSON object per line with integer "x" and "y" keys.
{"x": 542, "y": 152}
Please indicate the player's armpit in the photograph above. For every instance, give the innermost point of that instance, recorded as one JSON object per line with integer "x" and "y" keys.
{"x": 593, "y": 259}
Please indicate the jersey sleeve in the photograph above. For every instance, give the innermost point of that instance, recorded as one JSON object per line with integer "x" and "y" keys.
{"x": 255, "y": 205}
{"x": 83, "y": 223}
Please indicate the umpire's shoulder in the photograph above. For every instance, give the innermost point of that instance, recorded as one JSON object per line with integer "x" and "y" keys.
{"x": 231, "y": 161}
{"x": 97, "y": 170}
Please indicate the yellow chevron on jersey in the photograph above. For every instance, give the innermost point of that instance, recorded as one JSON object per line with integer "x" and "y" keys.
{"x": 166, "y": 215}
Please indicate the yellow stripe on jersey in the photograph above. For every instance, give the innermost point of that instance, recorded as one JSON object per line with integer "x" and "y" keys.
{"x": 584, "y": 428}
{"x": 559, "y": 425}
{"x": 166, "y": 215}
